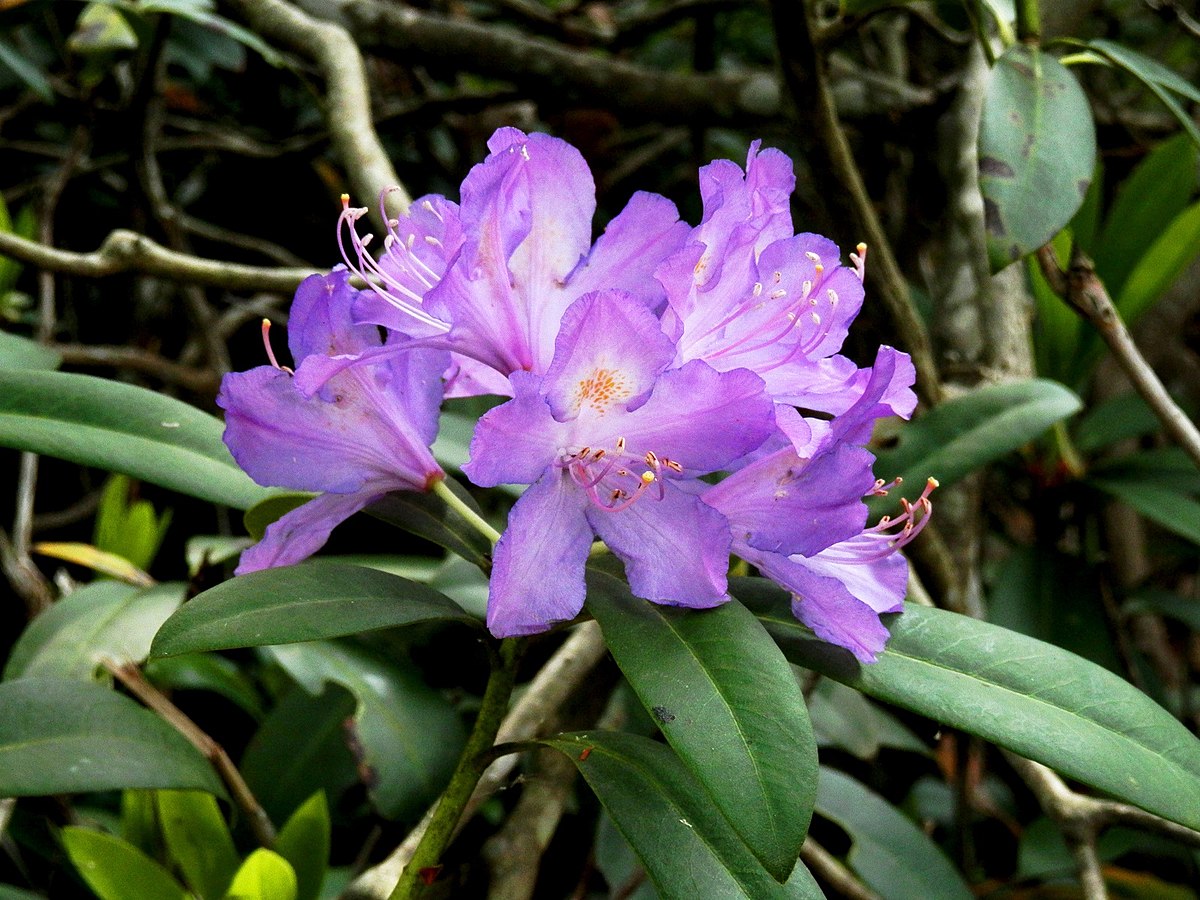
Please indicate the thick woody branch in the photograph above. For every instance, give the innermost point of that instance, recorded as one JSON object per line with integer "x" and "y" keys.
{"x": 347, "y": 100}
{"x": 549, "y": 68}
{"x": 128, "y": 251}
{"x": 1085, "y": 293}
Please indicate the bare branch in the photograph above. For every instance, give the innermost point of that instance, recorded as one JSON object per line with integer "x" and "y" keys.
{"x": 134, "y": 359}
{"x": 128, "y": 251}
{"x": 837, "y": 876}
{"x": 347, "y": 101}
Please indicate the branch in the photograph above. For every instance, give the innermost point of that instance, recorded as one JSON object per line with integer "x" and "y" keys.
{"x": 134, "y": 359}
{"x": 347, "y": 101}
{"x": 561, "y": 676}
{"x": 1086, "y": 294}
{"x": 548, "y": 68}
{"x": 837, "y": 876}
{"x": 131, "y": 677}
{"x": 128, "y": 251}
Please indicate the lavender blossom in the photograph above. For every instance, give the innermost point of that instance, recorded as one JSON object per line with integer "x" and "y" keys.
{"x": 366, "y": 432}
{"x": 613, "y": 440}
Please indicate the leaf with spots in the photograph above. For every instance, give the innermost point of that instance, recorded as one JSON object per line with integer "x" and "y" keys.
{"x": 1037, "y": 150}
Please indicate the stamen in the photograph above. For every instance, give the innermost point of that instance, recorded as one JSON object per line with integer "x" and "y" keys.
{"x": 266, "y": 335}
{"x": 859, "y": 260}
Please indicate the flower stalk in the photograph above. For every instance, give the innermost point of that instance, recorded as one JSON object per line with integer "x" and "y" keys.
{"x": 455, "y": 502}
{"x": 421, "y": 869}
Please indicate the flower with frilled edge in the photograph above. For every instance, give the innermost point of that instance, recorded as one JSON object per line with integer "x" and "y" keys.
{"x": 612, "y": 441}
{"x": 366, "y": 432}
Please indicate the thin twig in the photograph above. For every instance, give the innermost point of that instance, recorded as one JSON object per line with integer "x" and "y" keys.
{"x": 562, "y": 675}
{"x": 347, "y": 101}
{"x": 134, "y": 359}
{"x": 824, "y": 864}
{"x": 131, "y": 677}
{"x": 1085, "y": 293}
{"x": 128, "y": 251}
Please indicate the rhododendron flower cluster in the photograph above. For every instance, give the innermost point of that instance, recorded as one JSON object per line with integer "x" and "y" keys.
{"x": 676, "y": 392}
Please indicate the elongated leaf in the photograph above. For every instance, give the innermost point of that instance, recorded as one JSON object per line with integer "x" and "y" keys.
{"x": 99, "y": 561}
{"x": 265, "y": 875}
{"x": 428, "y": 516}
{"x": 116, "y": 870}
{"x": 687, "y": 847}
{"x": 29, "y": 72}
{"x": 727, "y": 702}
{"x": 17, "y": 352}
{"x": 198, "y": 840}
{"x": 304, "y": 843}
{"x": 1155, "y": 192}
{"x": 890, "y": 852}
{"x": 407, "y": 734}
{"x": 1020, "y": 693}
{"x": 1163, "y": 504}
{"x": 307, "y": 602}
{"x": 1161, "y": 81}
{"x": 1177, "y": 246}
{"x": 1115, "y": 419}
{"x": 206, "y": 672}
{"x": 101, "y": 619}
{"x": 966, "y": 433}
{"x": 1037, "y": 151}
{"x": 122, "y": 428}
{"x": 64, "y": 737}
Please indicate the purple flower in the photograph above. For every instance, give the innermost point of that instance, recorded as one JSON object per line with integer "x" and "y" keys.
{"x": 613, "y": 440}
{"x": 366, "y": 432}
{"x": 799, "y": 517}
{"x": 496, "y": 274}
{"x": 745, "y": 292}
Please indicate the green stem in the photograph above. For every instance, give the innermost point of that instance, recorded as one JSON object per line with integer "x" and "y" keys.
{"x": 455, "y": 502}
{"x": 1029, "y": 22}
{"x": 471, "y": 765}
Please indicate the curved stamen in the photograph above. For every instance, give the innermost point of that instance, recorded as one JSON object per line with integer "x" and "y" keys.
{"x": 266, "y": 336}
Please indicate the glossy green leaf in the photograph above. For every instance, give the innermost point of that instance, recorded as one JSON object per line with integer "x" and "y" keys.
{"x": 300, "y": 748}
{"x": 198, "y": 840}
{"x": 304, "y": 843}
{"x": 727, "y": 702}
{"x": 688, "y": 848}
{"x": 1161, "y": 81}
{"x": 968, "y": 432}
{"x": 1037, "y": 152}
{"x": 306, "y": 602}
{"x": 1176, "y": 248}
{"x": 428, "y": 516}
{"x": 122, "y": 428}
{"x": 890, "y": 853}
{"x": 1154, "y": 194}
{"x": 106, "y": 618}
{"x": 1020, "y": 693}
{"x": 115, "y": 870}
{"x": 265, "y": 875}
{"x": 619, "y": 865}
{"x": 17, "y": 352}
{"x": 407, "y": 735}
{"x": 64, "y": 737}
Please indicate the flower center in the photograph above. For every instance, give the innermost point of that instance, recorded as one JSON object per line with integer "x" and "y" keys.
{"x": 601, "y": 390}
{"x": 616, "y": 478}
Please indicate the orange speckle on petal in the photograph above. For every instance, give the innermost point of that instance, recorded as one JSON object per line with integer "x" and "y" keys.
{"x": 601, "y": 390}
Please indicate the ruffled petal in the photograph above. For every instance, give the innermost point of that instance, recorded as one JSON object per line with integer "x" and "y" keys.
{"x": 675, "y": 549}
{"x": 303, "y": 531}
{"x": 537, "y": 572}
{"x": 320, "y": 321}
{"x": 887, "y": 392}
{"x": 516, "y": 442}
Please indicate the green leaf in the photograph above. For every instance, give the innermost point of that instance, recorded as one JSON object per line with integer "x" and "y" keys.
{"x": 409, "y": 736}
{"x": 1160, "y": 503}
{"x": 270, "y": 510}
{"x": 428, "y": 516}
{"x": 115, "y": 870}
{"x": 122, "y": 428}
{"x": 688, "y": 848}
{"x": 1113, "y": 420}
{"x": 202, "y": 14}
{"x": 27, "y": 71}
{"x": 1037, "y": 152}
{"x": 728, "y": 704}
{"x": 1174, "y": 250}
{"x": 1164, "y": 603}
{"x": 306, "y": 602}
{"x": 65, "y": 737}
{"x": 129, "y": 528}
{"x": 21, "y": 353}
{"x": 1155, "y": 192}
{"x": 106, "y": 618}
{"x": 304, "y": 843}
{"x": 968, "y": 432}
{"x": 264, "y": 875}
{"x": 890, "y": 852}
{"x": 301, "y": 748}
{"x": 101, "y": 29}
{"x": 206, "y": 672}
{"x": 1161, "y": 81}
{"x": 198, "y": 840}
{"x": 1020, "y": 693}
{"x": 8, "y": 892}
{"x": 844, "y": 718}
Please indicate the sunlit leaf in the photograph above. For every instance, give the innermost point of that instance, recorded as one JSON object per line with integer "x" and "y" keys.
{"x": 115, "y": 870}
{"x": 1177, "y": 246}
{"x": 93, "y": 558}
{"x": 198, "y": 840}
{"x": 304, "y": 843}
{"x": 265, "y": 875}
